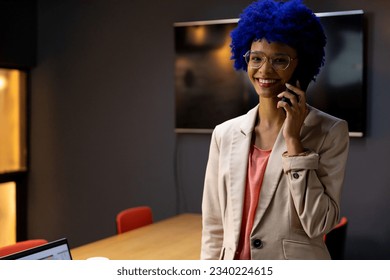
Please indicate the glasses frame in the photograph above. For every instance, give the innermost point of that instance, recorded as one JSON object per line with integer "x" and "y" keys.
{"x": 267, "y": 59}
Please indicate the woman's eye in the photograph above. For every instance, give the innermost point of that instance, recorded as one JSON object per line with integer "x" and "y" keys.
{"x": 280, "y": 60}
{"x": 256, "y": 59}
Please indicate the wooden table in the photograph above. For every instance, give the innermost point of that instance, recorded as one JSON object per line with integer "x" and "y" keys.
{"x": 176, "y": 238}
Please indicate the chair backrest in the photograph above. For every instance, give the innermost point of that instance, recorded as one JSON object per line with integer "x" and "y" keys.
{"x": 21, "y": 246}
{"x": 133, "y": 218}
{"x": 336, "y": 238}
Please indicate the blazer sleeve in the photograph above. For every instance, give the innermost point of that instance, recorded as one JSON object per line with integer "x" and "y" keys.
{"x": 315, "y": 181}
{"x": 212, "y": 231}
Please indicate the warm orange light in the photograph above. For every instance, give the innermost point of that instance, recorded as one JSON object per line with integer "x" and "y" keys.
{"x": 12, "y": 120}
{"x": 197, "y": 35}
{"x": 223, "y": 55}
{"x": 3, "y": 82}
{"x": 8, "y": 213}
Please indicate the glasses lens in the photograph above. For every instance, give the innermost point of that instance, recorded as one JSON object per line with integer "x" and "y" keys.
{"x": 280, "y": 62}
{"x": 255, "y": 59}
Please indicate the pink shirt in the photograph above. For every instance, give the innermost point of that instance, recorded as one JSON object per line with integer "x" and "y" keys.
{"x": 257, "y": 164}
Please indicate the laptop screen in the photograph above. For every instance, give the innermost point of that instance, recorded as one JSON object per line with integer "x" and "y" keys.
{"x": 55, "y": 250}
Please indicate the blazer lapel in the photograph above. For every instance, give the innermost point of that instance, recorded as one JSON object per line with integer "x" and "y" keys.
{"x": 241, "y": 141}
{"x": 271, "y": 177}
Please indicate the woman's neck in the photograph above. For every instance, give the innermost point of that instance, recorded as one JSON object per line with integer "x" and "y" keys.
{"x": 270, "y": 120}
{"x": 269, "y": 115}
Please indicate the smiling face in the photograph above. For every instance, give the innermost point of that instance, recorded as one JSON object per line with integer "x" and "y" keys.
{"x": 267, "y": 81}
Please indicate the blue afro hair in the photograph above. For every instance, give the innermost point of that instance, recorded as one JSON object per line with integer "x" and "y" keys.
{"x": 291, "y": 23}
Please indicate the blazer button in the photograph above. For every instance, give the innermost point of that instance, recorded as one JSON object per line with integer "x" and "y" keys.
{"x": 257, "y": 243}
{"x": 295, "y": 175}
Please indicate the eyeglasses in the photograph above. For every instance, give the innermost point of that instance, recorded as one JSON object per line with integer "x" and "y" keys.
{"x": 256, "y": 59}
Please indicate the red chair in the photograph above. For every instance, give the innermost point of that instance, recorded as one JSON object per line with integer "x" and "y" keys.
{"x": 336, "y": 238}
{"x": 21, "y": 246}
{"x": 133, "y": 218}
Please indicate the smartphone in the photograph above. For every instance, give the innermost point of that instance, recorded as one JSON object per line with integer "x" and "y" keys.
{"x": 292, "y": 81}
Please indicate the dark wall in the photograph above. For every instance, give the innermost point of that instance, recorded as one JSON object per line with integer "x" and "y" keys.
{"x": 102, "y": 127}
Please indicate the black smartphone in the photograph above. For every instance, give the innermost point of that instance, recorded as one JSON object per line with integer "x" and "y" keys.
{"x": 292, "y": 81}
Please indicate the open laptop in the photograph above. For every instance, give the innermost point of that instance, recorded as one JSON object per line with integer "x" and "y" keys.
{"x": 55, "y": 250}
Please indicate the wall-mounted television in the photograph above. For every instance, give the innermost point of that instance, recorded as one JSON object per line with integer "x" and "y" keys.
{"x": 209, "y": 91}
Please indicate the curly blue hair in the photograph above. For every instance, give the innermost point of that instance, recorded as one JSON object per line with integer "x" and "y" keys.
{"x": 291, "y": 23}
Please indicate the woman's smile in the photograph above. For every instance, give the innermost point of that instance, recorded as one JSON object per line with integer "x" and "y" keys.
{"x": 266, "y": 83}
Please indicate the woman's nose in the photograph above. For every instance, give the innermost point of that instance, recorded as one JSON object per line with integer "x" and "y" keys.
{"x": 266, "y": 67}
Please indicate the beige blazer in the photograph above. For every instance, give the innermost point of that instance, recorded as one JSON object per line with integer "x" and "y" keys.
{"x": 299, "y": 198}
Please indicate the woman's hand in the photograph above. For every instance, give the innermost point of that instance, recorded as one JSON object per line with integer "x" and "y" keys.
{"x": 295, "y": 116}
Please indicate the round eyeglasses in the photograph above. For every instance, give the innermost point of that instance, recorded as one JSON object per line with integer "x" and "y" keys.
{"x": 256, "y": 59}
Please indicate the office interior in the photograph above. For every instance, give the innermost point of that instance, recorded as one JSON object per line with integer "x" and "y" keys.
{"x": 100, "y": 110}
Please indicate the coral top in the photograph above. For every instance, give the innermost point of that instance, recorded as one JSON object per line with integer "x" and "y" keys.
{"x": 257, "y": 164}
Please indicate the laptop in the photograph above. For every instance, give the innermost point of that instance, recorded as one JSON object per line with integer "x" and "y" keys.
{"x": 55, "y": 250}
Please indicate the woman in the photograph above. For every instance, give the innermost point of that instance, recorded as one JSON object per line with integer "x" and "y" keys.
{"x": 274, "y": 176}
